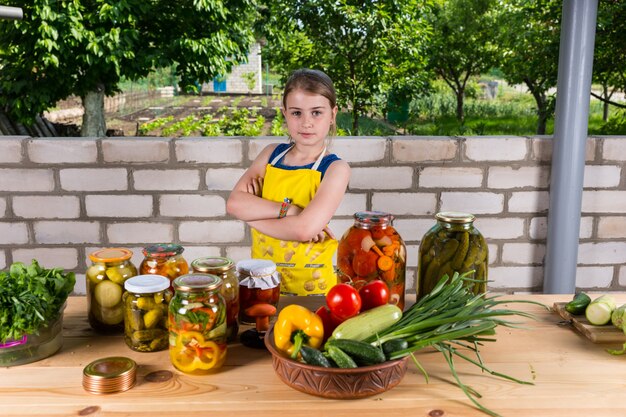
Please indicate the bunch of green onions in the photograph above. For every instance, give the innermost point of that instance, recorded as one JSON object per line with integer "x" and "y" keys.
{"x": 452, "y": 320}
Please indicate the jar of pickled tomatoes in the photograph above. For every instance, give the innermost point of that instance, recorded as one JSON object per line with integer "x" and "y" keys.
{"x": 197, "y": 324}
{"x": 259, "y": 283}
{"x": 110, "y": 268}
{"x": 372, "y": 249}
{"x": 164, "y": 259}
{"x": 225, "y": 269}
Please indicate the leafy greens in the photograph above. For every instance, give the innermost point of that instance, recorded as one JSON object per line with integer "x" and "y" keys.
{"x": 31, "y": 296}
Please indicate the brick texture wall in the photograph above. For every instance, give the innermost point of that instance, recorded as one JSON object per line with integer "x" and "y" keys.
{"x": 62, "y": 198}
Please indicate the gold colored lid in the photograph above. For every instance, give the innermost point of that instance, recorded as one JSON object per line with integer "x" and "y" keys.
{"x": 212, "y": 265}
{"x": 197, "y": 282}
{"x": 111, "y": 255}
{"x": 110, "y": 375}
{"x": 455, "y": 217}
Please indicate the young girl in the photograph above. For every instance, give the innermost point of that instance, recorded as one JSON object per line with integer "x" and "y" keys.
{"x": 292, "y": 190}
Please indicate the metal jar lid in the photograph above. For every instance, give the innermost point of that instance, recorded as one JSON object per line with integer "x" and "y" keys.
{"x": 110, "y": 375}
{"x": 111, "y": 255}
{"x": 369, "y": 219}
{"x": 212, "y": 265}
{"x": 197, "y": 283}
{"x": 455, "y": 217}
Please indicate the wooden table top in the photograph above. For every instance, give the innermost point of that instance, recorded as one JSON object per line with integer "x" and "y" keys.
{"x": 572, "y": 377}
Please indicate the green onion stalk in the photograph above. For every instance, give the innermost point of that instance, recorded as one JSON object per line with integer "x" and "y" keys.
{"x": 453, "y": 320}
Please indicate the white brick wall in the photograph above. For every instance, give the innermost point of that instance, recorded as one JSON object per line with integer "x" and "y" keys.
{"x": 62, "y": 198}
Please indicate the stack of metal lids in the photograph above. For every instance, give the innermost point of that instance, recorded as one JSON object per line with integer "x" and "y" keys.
{"x": 110, "y": 375}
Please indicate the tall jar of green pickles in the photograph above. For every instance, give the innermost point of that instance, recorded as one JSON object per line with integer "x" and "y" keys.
{"x": 225, "y": 269}
{"x": 452, "y": 245}
{"x": 110, "y": 268}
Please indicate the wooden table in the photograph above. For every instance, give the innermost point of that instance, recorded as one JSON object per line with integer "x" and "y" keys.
{"x": 572, "y": 377}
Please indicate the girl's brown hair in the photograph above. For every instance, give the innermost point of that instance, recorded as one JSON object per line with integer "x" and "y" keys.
{"x": 315, "y": 82}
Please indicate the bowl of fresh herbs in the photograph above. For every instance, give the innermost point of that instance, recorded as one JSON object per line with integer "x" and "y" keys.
{"x": 32, "y": 300}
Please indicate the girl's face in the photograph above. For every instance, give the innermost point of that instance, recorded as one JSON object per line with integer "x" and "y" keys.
{"x": 308, "y": 116}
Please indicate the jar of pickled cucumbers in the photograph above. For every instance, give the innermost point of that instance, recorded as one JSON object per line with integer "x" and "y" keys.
{"x": 225, "y": 269}
{"x": 371, "y": 250}
{"x": 452, "y": 245}
{"x": 197, "y": 324}
{"x": 110, "y": 268}
{"x": 145, "y": 312}
{"x": 164, "y": 259}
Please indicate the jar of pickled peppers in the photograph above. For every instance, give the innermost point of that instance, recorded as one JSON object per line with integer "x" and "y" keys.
{"x": 372, "y": 249}
{"x": 110, "y": 268}
{"x": 197, "y": 324}
{"x": 145, "y": 312}
{"x": 225, "y": 269}
{"x": 452, "y": 245}
{"x": 164, "y": 259}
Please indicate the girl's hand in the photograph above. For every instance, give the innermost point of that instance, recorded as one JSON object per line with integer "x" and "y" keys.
{"x": 255, "y": 186}
{"x": 321, "y": 236}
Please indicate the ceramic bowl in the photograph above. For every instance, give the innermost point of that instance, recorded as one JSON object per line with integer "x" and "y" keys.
{"x": 335, "y": 382}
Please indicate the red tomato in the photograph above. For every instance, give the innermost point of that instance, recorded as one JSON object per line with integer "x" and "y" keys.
{"x": 344, "y": 301}
{"x": 373, "y": 294}
{"x": 328, "y": 320}
{"x": 364, "y": 263}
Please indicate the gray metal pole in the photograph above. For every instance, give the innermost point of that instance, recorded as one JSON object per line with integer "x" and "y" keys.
{"x": 570, "y": 135}
{"x": 7, "y": 12}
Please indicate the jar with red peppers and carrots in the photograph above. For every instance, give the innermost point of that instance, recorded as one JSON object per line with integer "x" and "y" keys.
{"x": 371, "y": 250}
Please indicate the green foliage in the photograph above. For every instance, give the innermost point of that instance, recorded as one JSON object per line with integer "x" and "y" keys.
{"x": 367, "y": 48}
{"x": 79, "y": 46}
{"x": 148, "y": 127}
{"x": 31, "y": 296}
{"x": 278, "y": 124}
{"x": 463, "y": 45}
{"x": 616, "y": 125}
{"x": 250, "y": 79}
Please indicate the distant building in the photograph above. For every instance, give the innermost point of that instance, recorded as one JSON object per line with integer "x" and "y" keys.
{"x": 236, "y": 81}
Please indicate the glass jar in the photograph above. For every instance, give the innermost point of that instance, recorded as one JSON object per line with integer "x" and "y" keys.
{"x": 110, "y": 268}
{"x": 372, "y": 249}
{"x": 145, "y": 312}
{"x": 452, "y": 245}
{"x": 225, "y": 269}
{"x": 164, "y": 259}
{"x": 259, "y": 283}
{"x": 197, "y": 324}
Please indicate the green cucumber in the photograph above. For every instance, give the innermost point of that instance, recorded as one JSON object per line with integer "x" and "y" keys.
{"x": 369, "y": 323}
{"x": 579, "y": 304}
{"x": 362, "y": 353}
{"x": 314, "y": 357}
{"x": 394, "y": 345}
{"x": 341, "y": 358}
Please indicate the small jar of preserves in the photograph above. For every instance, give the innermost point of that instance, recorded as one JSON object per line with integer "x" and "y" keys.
{"x": 197, "y": 324}
{"x": 452, "y": 245}
{"x": 225, "y": 269}
{"x": 259, "y": 283}
{"x": 164, "y": 259}
{"x": 372, "y": 249}
{"x": 110, "y": 268}
{"x": 145, "y": 312}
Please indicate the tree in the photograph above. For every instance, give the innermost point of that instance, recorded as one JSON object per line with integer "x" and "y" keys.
{"x": 462, "y": 44}
{"x": 368, "y": 48}
{"x": 85, "y": 47}
{"x": 609, "y": 69}
{"x": 530, "y": 49}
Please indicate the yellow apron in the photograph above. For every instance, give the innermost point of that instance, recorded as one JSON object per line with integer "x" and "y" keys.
{"x": 306, "y": 268}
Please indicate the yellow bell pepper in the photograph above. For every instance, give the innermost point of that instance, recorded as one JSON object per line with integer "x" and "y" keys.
{"x": 192, "y": 352}
{"x": 296, "y": 325}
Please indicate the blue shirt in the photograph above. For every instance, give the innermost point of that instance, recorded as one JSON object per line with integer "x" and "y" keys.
{"x": 326, "y": 160}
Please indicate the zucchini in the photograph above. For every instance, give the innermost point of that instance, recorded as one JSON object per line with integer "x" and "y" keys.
{"x": 362, "y": 353}
{"x": 368, "y": 324}
{"x": 599, "y": 311}
{"x": 394, "y": 345}
{"x": 341, "y": 358}
{"x": 579, "y": 304}
{"x": 314, "y": 357}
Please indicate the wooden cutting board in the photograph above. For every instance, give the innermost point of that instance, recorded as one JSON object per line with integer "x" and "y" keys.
{"x": 597, "y": 334}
